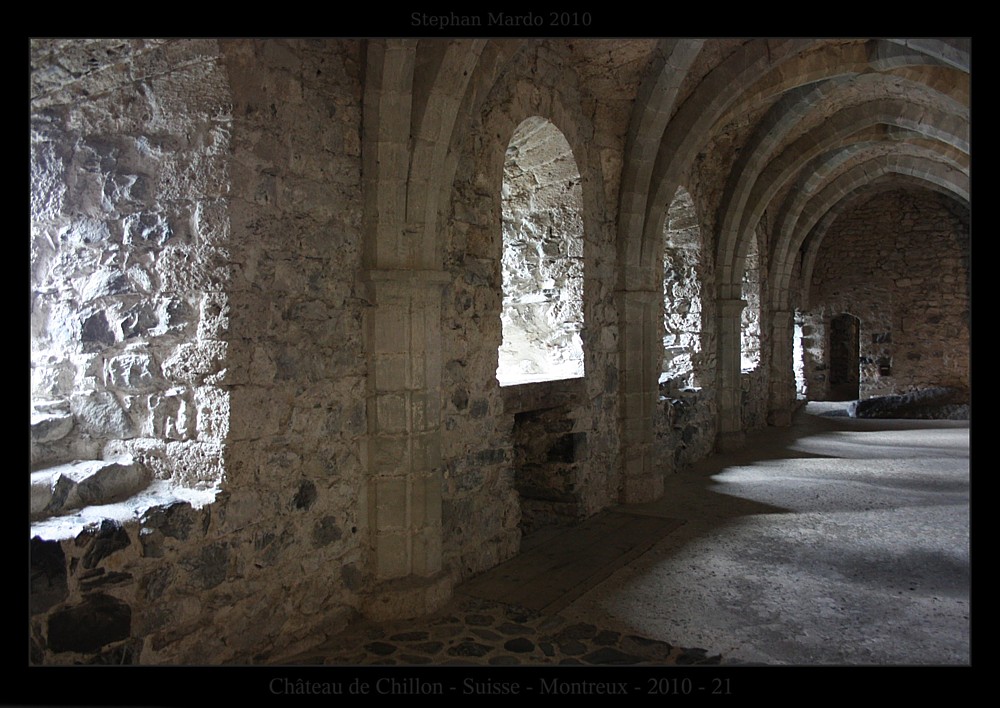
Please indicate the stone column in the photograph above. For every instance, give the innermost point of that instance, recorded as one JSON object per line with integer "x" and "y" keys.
{"x": 641, "y": 357}
{"x": 403, "y": 449}
{"x": 781, "y": 396}
{"x": 730, "y": 415}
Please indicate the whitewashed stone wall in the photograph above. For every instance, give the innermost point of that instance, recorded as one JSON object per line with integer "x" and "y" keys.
{"x": 250, "y": 296}
{"x": 750, "y": 346}
{"x": 542, "y": 258}
{"x": 898, "y": 262}
{"x": 682, "y": 294}
{"x": 129, "y": 230}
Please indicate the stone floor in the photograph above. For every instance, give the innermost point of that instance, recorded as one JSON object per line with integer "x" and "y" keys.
{"x": 835, "y": 541}
{"x": 475, "y": 632}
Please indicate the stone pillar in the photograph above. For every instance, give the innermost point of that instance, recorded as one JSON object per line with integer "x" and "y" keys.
{"x": 641, "y": 357}
{"x": 781, "y": 396}
{"x": 403, "y": 450}
{"x": 730, "y": 415}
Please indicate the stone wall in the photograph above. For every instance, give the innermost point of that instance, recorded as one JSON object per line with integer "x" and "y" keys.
{"x": 129, "y": 231}
{"x": 222, "y": 226}
{"x": 685, "y": 427}
{"x": 898, "y": 262}
{"x": 295, "y": 510}
{"x": 271, "y": 271}
{"x": 481, "y": 507}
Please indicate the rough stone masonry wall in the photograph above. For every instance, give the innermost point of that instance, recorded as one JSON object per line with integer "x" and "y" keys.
{"x": 296, "y": 508}
{"x": 682, "y": 292}
{"x": 900, "y": 263}
{"x": 685, "y": 426}
{"x": 276, "y": 562}
{"x": 481, "y": 509}
{"x": 128, "y": 235}
{"x": 542, "y": 257}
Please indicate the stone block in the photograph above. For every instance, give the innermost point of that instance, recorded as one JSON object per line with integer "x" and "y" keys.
{"x": 58, "y": 489}
{"x": 213, "y": 322}
{"x": 390, "y": 504}
{"x": 210, "y": 567}
{"x": 96, "y": 332}
{"x": 391, "y": 555}
{"x": 388, "y": 331}
{"x": 195, "y": 464}
{"x": 48, "y": 575}
{"x": 388, "y": 455}
{"x": 96, "y": 622}
{"x": 172, "y": 415}
{"x": 100, "y": 413}
{"x": 132, "y": 373}
{"x": 49, "y": 427}
{"x": 177, "y": 520}
{"x": 426, "y": 451}
{"x": 191, "y": 362}
{"x": 425, "y": 409}
{"x": 426, "y": 552}
{"x": 391, "y": 372}
{"x": 210, "y": 414}
{"x": 101, "y": 542}
{"x": 939, "y": 402}
{"x": 426, "y": 502}
{"x": 391, "y": 414}
{"x": 325, "y": 531}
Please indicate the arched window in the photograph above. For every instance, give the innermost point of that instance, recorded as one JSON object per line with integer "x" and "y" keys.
{"x": 681, "y": 292}
{"x": 750, "y": 317}
{"x": 542, "y": 209}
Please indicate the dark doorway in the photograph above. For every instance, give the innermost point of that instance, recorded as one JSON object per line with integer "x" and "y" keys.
{"x": 845, "y": 343}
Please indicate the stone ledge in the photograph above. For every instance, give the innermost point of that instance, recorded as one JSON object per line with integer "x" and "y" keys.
{"x": 77, "y": 484}
{"x": 521, "y": 398}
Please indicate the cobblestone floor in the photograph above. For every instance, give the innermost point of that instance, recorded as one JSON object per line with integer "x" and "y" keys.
{"x": 473, "y": 632}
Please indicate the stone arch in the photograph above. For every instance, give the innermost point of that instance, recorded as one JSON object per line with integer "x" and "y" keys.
{"x": 542, "y": 262}
{"x": 762, "y": 174}
{"x": 473, "y": 206}
{"x": 819, "y": 210}
{"x": 880, "y": 183}
{"x": 897, "y": 259}
{"x": 657, "y": 97}
{"x": 837, "y": 130}
{"x": 507, "y": 90}
{"x": 832, "y": 168}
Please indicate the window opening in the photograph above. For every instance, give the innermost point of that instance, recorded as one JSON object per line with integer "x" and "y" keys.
{"x": 682, "y": 292}
{"x": 542, "y": 262}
